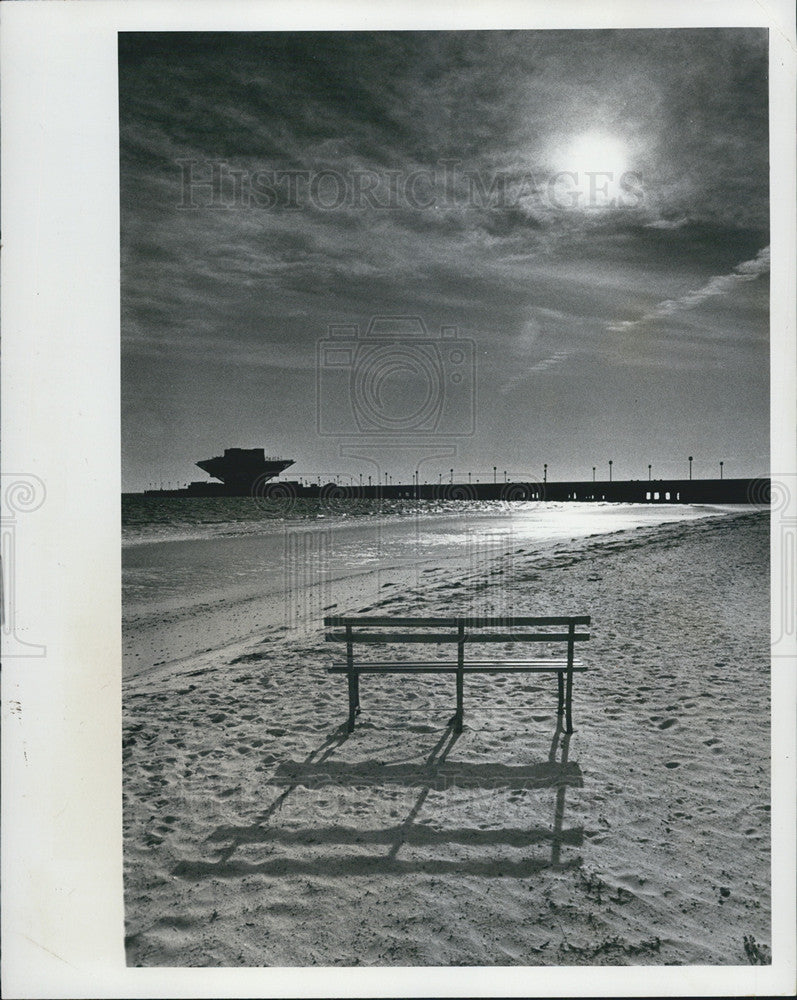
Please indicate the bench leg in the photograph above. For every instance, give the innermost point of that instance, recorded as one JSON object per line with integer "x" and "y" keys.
{"x": 569, "y": 702}
{"x": 352, "y": 699}
{"x": 561, "y": 705}
{"x": 460, "y": 712}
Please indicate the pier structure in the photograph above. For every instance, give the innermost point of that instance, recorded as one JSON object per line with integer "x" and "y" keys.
{"x": 659, "y": 491}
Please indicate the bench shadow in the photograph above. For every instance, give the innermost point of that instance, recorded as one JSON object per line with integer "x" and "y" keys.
{"x": 436, "y": 773}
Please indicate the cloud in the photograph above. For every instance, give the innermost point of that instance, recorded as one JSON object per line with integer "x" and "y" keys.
{"x": 720, "y": 285}
{"x": 534, "y": 349}
{"x": 667, "y": 223}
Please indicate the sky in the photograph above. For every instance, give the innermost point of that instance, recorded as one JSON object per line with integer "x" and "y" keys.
{"x": 380, "y": 252}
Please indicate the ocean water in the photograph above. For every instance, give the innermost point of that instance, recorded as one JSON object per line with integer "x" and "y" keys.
{"x": 180, "y": 553}
{"x": 157, "y": 519}
{"x": 149, "y": 519}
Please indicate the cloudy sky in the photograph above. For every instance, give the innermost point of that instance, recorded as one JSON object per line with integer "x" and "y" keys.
{"x": 585, "y": 212}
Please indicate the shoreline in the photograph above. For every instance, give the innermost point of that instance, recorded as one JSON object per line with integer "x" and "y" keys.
{"x": 290, "y": 576}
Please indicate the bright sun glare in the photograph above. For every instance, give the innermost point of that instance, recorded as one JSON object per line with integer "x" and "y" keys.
{"x": 597, "y": 153}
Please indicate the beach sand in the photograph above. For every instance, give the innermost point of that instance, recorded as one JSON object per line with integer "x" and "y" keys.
{"x": 257, "y": 833}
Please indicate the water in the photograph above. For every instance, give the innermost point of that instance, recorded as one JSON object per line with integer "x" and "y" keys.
{"x": 157, "y": 519}
{"x": 148, "y": 519}
{"x": 202, "y": 573}
{"x": 188, "y": 552}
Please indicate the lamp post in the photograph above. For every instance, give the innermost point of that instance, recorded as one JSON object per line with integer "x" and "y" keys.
{"x": 451, "y": 480}
{"x": 649, "y": 468}
{"x": 610, "y": 470}
{"x": 593, "y": 473}
{"x": 690, "y": 466}
{"x": 545, "y": 473}
{"x": 495, "y": 474}
{"x": 721, "y": 465}
{"x": 504, "y": 475}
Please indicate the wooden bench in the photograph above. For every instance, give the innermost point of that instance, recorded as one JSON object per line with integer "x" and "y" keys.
{"x": 464, "y": 633}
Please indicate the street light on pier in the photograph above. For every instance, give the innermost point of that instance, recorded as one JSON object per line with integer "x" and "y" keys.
{"x": 610, "y": 470}
{"x": 504, "y": 475}
{"x": 545, "y": 473}
{"x": 649, "y": 474}
{"x": 690, "y": 466}
{"x": 495, "y": 474}
{"x": 451, "y": 480}
{"x": 721, "y": 465}
{"x": 593, "y": 473}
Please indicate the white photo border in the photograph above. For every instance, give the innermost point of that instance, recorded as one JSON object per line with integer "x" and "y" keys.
{"x": 63, "y": 919}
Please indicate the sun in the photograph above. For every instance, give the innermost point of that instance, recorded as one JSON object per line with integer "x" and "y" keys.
{"x": 589, "y": 171}
{"x": 596, "y": 153}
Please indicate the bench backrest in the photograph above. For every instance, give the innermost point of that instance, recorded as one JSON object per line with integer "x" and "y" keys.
{"x": 378, "y": 629}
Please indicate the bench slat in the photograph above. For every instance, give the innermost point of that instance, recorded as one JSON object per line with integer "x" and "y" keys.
{"x": 450, "y": 668}
{"x": 451, "y": 637}
{"x": 525, "y": 637}
{"x": 554, "y": 662}
{"x": 511, "y": 622}
{"x": 371, "y": 637}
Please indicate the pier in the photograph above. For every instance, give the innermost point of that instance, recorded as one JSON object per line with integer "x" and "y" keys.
{"x": 742, "y": 491}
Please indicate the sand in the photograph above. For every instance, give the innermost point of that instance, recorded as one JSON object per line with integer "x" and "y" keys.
{"x": 257, "y": 833}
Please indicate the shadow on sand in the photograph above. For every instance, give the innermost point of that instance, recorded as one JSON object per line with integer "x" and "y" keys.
{"x": 437, "y": 773}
